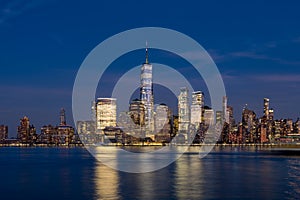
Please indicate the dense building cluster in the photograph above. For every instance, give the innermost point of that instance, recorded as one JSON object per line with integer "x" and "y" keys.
{"x": 265, "y": 129}
{"x": 146, "y": 123}
{"x": 61, "y": 134}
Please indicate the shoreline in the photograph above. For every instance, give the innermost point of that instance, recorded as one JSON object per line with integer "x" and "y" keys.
{"x": 269, "y": 145}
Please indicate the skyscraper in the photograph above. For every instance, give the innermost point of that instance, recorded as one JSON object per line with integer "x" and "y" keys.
{"x": 183, "y": 111}
{"x": 106, "y": 113}
{"x": 146, "y": 94}
{"x": 266, "y": 107}
{"x": 197, "y": 108}
{"x": 225, "y": 112}
{"x": 26, "y": 132}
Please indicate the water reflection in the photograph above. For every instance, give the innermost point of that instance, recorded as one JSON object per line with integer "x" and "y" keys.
{"x": 223, "y": 174}
{"x": 294, "y": 178}
{"x": 189, "y": 177}
{"x": 107, "y": 182}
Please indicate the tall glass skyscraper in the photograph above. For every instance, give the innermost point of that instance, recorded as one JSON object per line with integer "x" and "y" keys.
{"x": 146, "y": 95}
{"x": 183, "y": 111}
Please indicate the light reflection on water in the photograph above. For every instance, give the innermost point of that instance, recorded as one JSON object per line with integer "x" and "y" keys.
{"x": 226, "y": 173}
{"x": 230, "y": 173}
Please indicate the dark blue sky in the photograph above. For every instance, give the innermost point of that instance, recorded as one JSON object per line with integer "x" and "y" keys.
{"x": 255, "y": 44}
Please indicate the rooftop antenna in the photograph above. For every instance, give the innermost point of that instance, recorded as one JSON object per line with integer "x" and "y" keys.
{"x": 147, "y": 62}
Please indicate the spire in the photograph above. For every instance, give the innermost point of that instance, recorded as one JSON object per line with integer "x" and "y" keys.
{"x": 146, "y": 62}
{"x": 62, "y": 117}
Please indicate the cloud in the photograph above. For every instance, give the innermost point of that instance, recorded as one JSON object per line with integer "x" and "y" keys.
{"x": 257, "y": 56}
{"x": 16, "y": 8}
{"x": 279, "y": 77}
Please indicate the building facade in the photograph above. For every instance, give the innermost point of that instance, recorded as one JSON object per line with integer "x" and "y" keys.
{"x": 146, "y": 95}
{"x": 106, "y": 113}
{"x": 183, "y": 111}
{"x": 3, "y": 132}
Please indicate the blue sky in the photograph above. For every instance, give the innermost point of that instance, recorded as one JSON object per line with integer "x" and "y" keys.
{"x": 255, "y": 44}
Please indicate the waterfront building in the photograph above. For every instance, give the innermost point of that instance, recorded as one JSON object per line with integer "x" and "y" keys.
{"x": 106, "y": 113}
{"x": 3, "y": 132}
{"x": 63, "y": 134}
{"x": 26, "y": 132}
{"x": 87, "y": 131}
{"x": 47, "y": 133}
{"x": 146, "y": 95}
{"x": 249, "y": 125}
{"x": 183, "y": 112}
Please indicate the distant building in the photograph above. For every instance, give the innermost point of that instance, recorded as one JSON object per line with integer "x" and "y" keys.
{"x": 106, "y": 113}
{"x": 266, "y": 107}
{"x": 26, "y": 132}
{"x": 62, "y": 134}
{"x": 87, "y": 132}
{"x": 137, "y": 112}
{"x": 271, "y": 114}
{"x": 230, "y": 114}
{"x": 183, "y": 111}
{"x": 3, "y": 132}
{"x": 209, "y": 116}
{"x": 197, "y": 108}
{"x": 219, "y": 117}
{"x": 163, "y": 123}
{"x": 249, "y": 126}
{"x": 225, "y": 111}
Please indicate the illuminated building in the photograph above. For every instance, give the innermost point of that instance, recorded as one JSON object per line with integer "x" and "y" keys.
{"x": 63, "y": 134}
{"x": 87, "y": 131}
{"x": 137, "y": 112}
{"x": 3, "y": 132}
{"x": 162, "y": 123}
{"x": 26, "y": 132}
{"x": 249, "y": 124}
{"x": 106, "y": 113}
{"x": 209, "y": 116}
{"x": 230, "y": 114}
{"x": 225, "y": 112}
{"x": 271, "y": 114}
{"x": 219, "y": 116}
{"x": 146, "y": 95}
{"x": 183, "y": 111}
{"x": 197, "y": 108}
{"x": 266, "y": 107}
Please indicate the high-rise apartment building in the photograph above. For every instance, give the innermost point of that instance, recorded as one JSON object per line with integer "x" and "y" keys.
{"x": 26, "y": 132}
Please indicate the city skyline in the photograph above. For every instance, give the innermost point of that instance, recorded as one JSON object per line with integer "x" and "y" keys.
{"x": 40, "y": 55}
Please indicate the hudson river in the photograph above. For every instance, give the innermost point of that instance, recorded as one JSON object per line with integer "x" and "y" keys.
{"x": 72, "y": 173}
